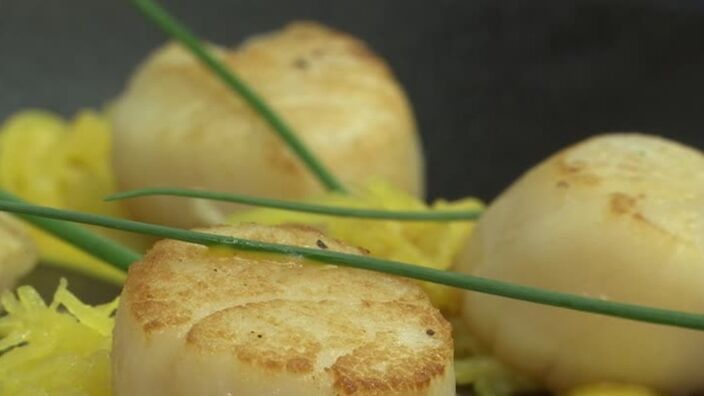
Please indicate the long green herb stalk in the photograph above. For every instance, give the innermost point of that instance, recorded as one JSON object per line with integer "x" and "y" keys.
{"x": 478, "y": 284}
{"x": 418, "y": 215}
{"x": 96, "y": 245}
{"x": 172, "y": 27}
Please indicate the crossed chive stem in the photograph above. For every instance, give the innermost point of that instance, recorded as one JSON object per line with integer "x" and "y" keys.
{"x": 467, "y": 282}
{"x": 380, "y": 214}
{"x": 60, "y": 222}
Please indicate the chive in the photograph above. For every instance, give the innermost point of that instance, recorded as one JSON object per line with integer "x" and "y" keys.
{"x": 417, "y": 215}
{"x": 96, "y": 245}
{"x": 172, "y": 27}
{"x": 468, "y": 282}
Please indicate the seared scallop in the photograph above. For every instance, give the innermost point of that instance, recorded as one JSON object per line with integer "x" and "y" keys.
{"x": 616, "y": 217}
{"x": 200, "y": 321}
{"x": 176, "y": 124}
{"x": 18, "y": 254}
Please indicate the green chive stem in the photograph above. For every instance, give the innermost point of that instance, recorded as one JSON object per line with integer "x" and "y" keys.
{"x": 417, "y": 215}
{"x": 98, "y": 246}
{"x": 468, "y": 282}
{"x": 172, "y": 27}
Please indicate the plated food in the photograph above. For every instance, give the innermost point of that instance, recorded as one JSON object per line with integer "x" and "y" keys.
{"x": 369, "y": 115}
{"x": 185, "y": 327}
{"x": 51, "y": 161}
{"x": 430, "y": 244}
{"x": 617, "y": 217}
{"x": 176, "y": 125}
{"x": 202, "y": 320}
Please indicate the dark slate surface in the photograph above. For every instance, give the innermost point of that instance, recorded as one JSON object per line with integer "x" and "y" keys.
{"x": 497, "y": 85}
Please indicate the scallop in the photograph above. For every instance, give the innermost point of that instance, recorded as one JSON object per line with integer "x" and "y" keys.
{"x": 616, "y": 217}
{"x": 18, "y": 254}
{"x": 200, "y": 321}
{"x": 176, "y": 124}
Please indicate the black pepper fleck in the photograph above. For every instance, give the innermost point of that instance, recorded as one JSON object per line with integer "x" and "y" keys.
{"x": 430, "y": 332}
{"x": 321, "y": 244}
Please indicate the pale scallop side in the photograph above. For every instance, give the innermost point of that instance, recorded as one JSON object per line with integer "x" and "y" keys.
{"x": 618, "y": 217}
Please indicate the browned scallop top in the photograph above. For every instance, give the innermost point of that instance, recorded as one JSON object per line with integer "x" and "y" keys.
{"x": 652, "y": 183}
{"x": 360, "y": 332}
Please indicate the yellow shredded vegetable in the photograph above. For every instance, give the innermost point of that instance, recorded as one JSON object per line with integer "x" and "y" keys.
{"x": 488, "y": 376}
{"x": 58, "y": 350}
{"x": 432, "y": 244}
{"x": 63, "y": 349}
{"x": 51, "y": 162}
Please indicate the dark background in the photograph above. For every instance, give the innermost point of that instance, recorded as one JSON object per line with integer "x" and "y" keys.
{"x": 496, "y": 85}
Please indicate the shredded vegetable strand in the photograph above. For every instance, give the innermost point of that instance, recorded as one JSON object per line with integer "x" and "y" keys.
{"x": 172, "y": 27}
{"x": 425, "y": 215}
{"x": 468, "y": 282}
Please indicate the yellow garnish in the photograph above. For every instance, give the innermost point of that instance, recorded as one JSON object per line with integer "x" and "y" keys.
{"x": 59, "y": 350}
{"x": 51, "y": 162}
{"x": 432, "y": 244}
{"x": 488, "y": 376}
{"x": 612, "y": 389}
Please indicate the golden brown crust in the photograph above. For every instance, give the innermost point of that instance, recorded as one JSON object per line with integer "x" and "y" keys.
{"x": 156, "y": 282}
{"x": 574, "y": 173}
{"x": 264, "y": 340}
{"x": 413, "y": 371}
{"x": 359, "y": 332}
